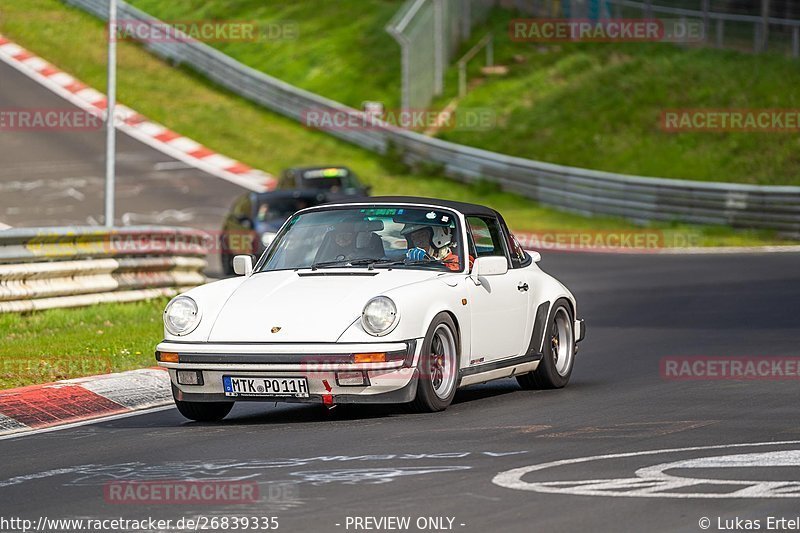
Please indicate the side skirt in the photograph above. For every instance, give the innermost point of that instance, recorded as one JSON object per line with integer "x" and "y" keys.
{"x": 533, "y": 354}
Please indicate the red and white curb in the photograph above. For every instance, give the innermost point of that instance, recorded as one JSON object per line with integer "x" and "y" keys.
{"x": 132, "y": 123}
{"x": 76, "y": 400}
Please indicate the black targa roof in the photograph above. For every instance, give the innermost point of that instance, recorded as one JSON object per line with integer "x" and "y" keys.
{"x": 462, "y": 207}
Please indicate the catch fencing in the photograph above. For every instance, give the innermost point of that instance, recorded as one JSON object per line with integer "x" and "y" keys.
{"x": 588, "y": 192}
{"x": 757, "y": 26}
{"x": 760, "y": 26}
{"x": 430, "y": 33}
{"x": 46, "y": 268}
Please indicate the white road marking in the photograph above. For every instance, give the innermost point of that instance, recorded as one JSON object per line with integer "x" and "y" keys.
{"x": 251, "y": 469}
{"x": 86, "y": 422}
{"x": 4, "y": 226}
{"x": 372, "y": 476}
{"x": 652, "y": 482}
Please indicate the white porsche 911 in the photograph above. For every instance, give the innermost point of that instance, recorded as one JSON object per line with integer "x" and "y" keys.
{"x": 383, "y": 300}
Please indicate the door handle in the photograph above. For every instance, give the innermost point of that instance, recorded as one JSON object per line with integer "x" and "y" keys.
{"x": 522, "y": 287}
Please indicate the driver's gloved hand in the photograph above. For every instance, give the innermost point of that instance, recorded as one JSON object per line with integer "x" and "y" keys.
{"x": 416, "y": 254}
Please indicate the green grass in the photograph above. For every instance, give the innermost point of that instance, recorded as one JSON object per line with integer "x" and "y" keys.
{"x": 341, "y": 49}
{"x": 180, "y": 99}
{"x": 599, "y": 106}
{"x": 45, "y": 346}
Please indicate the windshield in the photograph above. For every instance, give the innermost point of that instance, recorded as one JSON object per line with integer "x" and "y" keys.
{"x": 385, "y": 237}
{"x": 281, "y": 209}
{"x": 332, "y": 179}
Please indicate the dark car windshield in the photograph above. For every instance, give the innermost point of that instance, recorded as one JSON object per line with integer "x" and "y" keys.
{"x": 329, "y": 179}
{"x": 279, "y": 209}
{"x": 368, "y": 237}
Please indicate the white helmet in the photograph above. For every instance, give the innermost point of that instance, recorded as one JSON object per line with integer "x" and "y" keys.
{"x": 442, "y": 236}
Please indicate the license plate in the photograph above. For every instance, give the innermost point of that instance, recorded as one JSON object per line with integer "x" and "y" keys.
{"x": 268, "y": 386}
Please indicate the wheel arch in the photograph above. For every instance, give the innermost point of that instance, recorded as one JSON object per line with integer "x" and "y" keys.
{"x": 460, "y": 345}
{"x": 541, "y": 323}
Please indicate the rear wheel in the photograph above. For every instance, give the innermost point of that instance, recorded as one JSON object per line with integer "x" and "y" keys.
{"x": 438, "y": 366}
{"x": 204, "y": 411}
{"x": 558, "y": 358}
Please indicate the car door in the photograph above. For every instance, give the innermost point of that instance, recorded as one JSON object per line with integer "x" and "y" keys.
{"x": 499, "y": 305}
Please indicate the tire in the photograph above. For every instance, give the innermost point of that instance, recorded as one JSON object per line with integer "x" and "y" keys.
{"x": 438, "y": 366}
{"x": 204, "y": 411}
{"x": 558, "y": 358}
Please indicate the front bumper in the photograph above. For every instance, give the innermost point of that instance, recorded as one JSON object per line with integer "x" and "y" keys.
{"x": 393, "y": 381}
{"x": 404, "y": 394}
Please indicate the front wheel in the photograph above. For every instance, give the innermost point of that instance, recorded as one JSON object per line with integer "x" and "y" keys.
{"x": 438, "y": 366}
{"x": 204, "y": 411}
{"x": 558, "y": 358}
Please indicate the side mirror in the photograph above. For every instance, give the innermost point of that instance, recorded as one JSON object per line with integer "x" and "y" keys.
{"x": 490, "y": 266}
{"x": 536, "y": 256}
{"x": 243, "y": 265}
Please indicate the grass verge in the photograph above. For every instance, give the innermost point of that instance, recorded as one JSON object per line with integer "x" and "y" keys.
{"x": 58, "y": 344}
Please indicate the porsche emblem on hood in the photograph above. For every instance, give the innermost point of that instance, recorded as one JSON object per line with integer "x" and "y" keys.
{"x": 275, "y": 329}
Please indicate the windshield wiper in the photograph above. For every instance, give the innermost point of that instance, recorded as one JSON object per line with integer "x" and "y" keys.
{"x": 406, "y": 262}
{"x": 372, "y": 263}
{"x": 346, "y": 262}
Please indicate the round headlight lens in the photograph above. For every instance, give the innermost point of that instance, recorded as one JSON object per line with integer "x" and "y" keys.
{"x": 379, "y": 316}
{"x": 181, "y": 316}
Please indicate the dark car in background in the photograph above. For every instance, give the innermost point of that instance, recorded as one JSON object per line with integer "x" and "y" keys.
{"x": 337, "y": 182}
{"x": 255, "y": 218}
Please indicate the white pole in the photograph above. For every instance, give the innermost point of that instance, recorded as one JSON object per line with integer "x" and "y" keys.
{"x": 112, "y": 104}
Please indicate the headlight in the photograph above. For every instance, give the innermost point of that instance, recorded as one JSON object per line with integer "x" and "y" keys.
{"x": 181, "y": 316}
{"x": 267, "y": 238}
{"x": 379, "y": 316}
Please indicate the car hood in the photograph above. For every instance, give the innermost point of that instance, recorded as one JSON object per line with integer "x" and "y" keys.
{"x": 307, "y": 306}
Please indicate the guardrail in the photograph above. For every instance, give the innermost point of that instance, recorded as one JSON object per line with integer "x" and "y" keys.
{"x": 45, "y": 268}
{"x": 588, "y": 192}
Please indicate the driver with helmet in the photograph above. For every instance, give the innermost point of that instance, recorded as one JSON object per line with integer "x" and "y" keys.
{"x": 432, "y": 243}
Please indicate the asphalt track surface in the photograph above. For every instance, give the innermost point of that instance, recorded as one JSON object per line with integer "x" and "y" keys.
{"x": 314, "y": 467}
{"x": 57, "y": 177}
